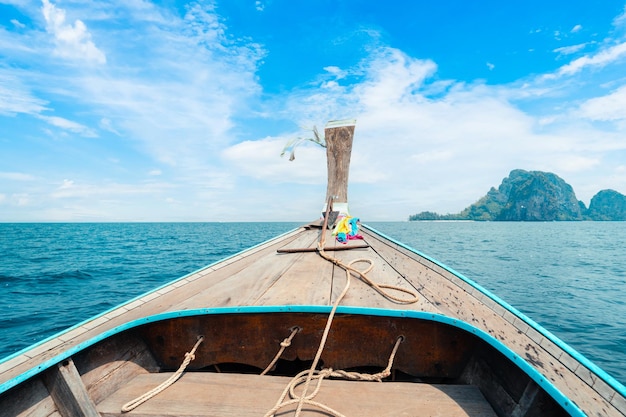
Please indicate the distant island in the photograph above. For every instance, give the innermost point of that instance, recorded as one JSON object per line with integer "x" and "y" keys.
{"x": 537, "y": 196}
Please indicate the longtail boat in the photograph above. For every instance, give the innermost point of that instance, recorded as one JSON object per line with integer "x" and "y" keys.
{"x": 332, "y": 318}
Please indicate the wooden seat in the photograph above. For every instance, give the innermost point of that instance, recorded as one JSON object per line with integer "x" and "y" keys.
{"x": 213, "y": 394}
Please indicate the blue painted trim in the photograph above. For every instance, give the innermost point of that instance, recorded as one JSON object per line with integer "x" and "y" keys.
{"x": 82, "y": 323}
{"x": 616, "y": 385}
{"x": 421, "y": 315}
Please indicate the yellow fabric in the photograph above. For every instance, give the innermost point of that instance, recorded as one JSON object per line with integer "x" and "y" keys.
{"x": 343, "y": 226}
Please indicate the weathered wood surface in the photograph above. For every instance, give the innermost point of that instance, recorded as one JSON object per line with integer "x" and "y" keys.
{"x": 338, "y": 152}
{"x": 428, "y": 349}
{"x": 262, "y": 276}
{"x": 68, "y": 391}
{"x": 223, "y": 395}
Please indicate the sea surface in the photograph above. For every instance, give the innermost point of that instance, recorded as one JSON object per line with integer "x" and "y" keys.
{"x": 570, "y": 277}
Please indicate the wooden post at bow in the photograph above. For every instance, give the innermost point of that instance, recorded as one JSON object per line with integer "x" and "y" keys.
{"x": 338, "y": 135}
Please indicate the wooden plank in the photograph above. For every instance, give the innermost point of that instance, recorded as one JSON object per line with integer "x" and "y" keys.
{"x": 108, "y": 365}
{"x": 248, "y": 285}
{"x": 30, "y": 399}
{"x": 211, "y": 394}
{"x": 68, "y": 391}
{"x": 308, "y": 281}
{"x": 326, "y": 248}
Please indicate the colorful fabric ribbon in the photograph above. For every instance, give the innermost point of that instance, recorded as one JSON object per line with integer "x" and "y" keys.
{"x": 347, "y": 229}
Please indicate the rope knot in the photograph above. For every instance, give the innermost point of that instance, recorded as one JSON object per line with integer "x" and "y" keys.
{"x": 189, "y": 356}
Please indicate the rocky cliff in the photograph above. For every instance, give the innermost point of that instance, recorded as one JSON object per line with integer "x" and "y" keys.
{"x": 607, "y": 205}
{"x": 537, "y": 196}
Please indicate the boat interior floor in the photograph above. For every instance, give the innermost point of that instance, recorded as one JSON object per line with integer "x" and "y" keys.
{"x": 242, "y": 395}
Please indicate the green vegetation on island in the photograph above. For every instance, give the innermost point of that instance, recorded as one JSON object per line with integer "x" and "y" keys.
{"x": 536, "y": 196}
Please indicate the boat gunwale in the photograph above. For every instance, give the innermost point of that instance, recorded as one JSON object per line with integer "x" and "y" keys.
{"x": 582, "y": 359}
{"x": 526, "y": 367}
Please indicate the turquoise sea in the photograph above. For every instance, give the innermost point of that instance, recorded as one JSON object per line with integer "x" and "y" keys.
{"x": 570, "y": 277}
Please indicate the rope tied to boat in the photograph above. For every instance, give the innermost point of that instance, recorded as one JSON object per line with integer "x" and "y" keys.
{"x": 306, "y": 376}
{"x": 189, "y": 356}
{"x": 283, "y": 345}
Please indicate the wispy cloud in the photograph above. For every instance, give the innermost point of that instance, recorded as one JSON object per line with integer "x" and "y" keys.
{"x": 69, "y": 125}
{"x": 600, "y": 59}
{"x": 15, "y": 97}
{"x": 568, "y": 50}
{"x": 17, "y": 23}
{"x": 17, "y": 176}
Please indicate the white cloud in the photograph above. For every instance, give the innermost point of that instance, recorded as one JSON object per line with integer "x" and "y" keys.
{"x": 17, "y": 176}
{"x": 67, "y": 184}
{"x": 575, "y": 163}
{"x": 600, "y": 59}
{"x": 69, "y": 189}
{"x": 393, "y": 76}
{"x": 72, "y": 41}
{"x": 568, "y": 50}
{"x": 107, "y": 124}
{"x": 432, "y": 156}
{"x": 19, "y": 199}
{"x": 18, "y": 24}
{"x": 606, "y": 108}
{"x": 335, "y": 71}
{"x": 576, "y": 28}
{"x": 620, "y": 20}
{"x": 15, "y": 98}
{"x": 69, "y": 125}
{"x": 260, "y": 159}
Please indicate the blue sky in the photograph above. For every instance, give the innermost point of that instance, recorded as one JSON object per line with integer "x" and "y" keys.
{"x": 178, "y": 111}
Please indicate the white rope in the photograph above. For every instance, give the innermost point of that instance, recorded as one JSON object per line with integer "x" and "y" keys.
{"x": 283, "y": 345}
{"x": 189, "y": 356}
{"x": 305, "y": 377}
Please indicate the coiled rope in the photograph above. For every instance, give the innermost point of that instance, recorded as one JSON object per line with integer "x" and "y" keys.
{"x": 189, "y": 356}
